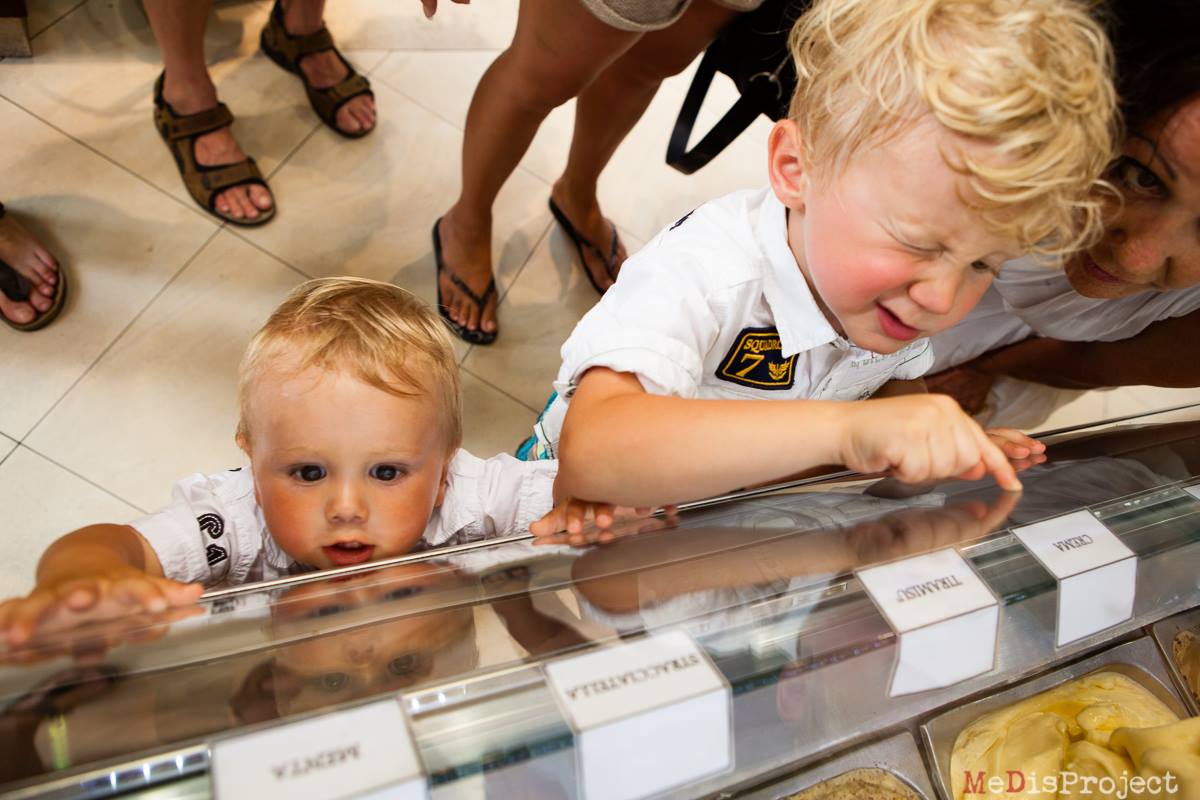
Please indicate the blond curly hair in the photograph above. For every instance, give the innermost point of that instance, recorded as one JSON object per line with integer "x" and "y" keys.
{"x": 1031, "y": 78}
{"x": 385, "y": 336}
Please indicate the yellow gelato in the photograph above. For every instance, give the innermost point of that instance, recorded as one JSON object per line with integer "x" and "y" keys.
{"x": 1165, "y": 751}
{"x": 859, "y": 784}
{"x": 1062, "y": 730}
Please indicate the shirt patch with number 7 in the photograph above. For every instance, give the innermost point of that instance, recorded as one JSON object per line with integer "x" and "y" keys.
{"x": 756, "y": 360}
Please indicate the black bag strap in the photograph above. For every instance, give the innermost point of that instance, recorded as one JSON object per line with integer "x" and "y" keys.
{"x": 762, "y": 90}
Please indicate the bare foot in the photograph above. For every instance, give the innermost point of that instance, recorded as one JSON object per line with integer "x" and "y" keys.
{"x": 583, "y": 211}
{"x": 468, "y": 255}
{"x": 325, "y": 69}
{"x": 247, "y": 201}
{"x": 23, "y": 253}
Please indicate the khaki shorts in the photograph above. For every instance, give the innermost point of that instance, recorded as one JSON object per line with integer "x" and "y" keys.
{"x": 651, "y": 15}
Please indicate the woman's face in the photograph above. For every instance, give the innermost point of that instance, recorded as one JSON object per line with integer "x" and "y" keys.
{"x": 1153, "y": 241}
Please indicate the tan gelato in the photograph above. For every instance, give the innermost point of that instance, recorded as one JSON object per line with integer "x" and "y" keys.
{"x": 1062, "y": 730}
{"x": 1186, "y": 649}
{"x": 859, "y": 784}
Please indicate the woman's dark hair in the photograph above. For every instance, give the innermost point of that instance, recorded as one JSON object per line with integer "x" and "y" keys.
{"x": 1157, "y": 45}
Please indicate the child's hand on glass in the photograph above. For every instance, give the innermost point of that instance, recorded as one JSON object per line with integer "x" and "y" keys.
{"x": 116, "y": 592}
{"x": 580, "y": 523}
{"x": 919, "y": 438}
{"x": 1023, "y": 451}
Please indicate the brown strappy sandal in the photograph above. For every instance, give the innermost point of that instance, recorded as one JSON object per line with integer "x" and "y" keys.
{"x": 205, "y": 183}
{"x": 286, "y": 50}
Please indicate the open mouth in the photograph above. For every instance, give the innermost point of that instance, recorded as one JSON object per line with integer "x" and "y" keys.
{"x": 1095, "y": 272}
{"x": 892, "y": 326}
{"x": 346, "y": 553}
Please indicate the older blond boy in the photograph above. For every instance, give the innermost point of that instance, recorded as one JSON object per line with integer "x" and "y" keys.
{"x": 930, "y": 140}
{"x": 351, "y": 419}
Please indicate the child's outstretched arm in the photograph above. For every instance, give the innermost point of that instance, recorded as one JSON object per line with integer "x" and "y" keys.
{"x": 637, "y": 449}
{"x": 96, "y": 571}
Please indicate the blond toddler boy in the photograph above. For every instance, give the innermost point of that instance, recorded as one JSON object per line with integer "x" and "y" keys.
{"x": 351, "y": 419}
{"x": 929, "y": 141}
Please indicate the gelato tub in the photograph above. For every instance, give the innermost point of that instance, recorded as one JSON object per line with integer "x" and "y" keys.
{"x": 890, "y": 769}
{"x": 1053, "y": 727}
{"x": 1179, "y": 639}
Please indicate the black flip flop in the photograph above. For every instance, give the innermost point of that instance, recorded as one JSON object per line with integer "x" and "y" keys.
{"x": 17, "y": 287}
{"x": 478, "y": 336}
{"x": 581, "y": 241}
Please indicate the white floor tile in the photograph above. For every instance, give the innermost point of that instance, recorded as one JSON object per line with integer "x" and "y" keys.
{"x": 41, "y": 502}
{"x": 492, "y": 421}
{"x": 638, "y": 190}
{"x": 1122, "y": 402}
{"x": 401, "y": 25}
{"x": 119, "y": 239}
{"x": 1088, "y": 407}
{"x": 1158, "y": 397}
{"x": 367, "y": 207}
{"x": 7, "y": 445}
{"x": 537, "y": 315}
{"x": 93, "y": 73}
{"x": 162, "y": 403}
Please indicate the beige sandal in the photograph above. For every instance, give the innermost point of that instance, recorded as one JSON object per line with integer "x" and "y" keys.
{"x": 205, "y": 183}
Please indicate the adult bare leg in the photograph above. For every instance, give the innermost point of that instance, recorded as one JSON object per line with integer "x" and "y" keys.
{"x": 179, "y": 30}
{"x": 325, "y": 69}
{"x": 612, "y": 104}
{"x": 558, "y": 49}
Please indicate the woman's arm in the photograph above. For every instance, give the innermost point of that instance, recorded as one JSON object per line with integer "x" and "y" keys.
{"x": 1161, "y": 355}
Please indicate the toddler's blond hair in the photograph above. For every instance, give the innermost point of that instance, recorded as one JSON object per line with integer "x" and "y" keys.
{"x": 1032, "y": 78}
{"x": 383, "y": 335}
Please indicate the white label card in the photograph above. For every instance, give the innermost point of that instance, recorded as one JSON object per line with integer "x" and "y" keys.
{"x": 1194, "y": 491}
{"x": 631, "y": 704}
{"x": 1096, "y": 572}
{"x": 344, "y": 754}
{"x": 944, "y": 615}
{"x": 1072, "y": 543}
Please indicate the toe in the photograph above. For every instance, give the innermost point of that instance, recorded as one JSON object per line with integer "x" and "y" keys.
{"x": 346, "y": 120}
{"x": 261, "y": 197}
{"x": 249, "y": 208}
{"x": 472, "y": 316}
{"x": 20, "y": 313}
{"x": 40, "y": 302}
{"x": 489, "y": 319}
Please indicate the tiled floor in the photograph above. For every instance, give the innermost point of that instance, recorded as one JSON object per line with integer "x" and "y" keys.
{"x": 134, "y": 387}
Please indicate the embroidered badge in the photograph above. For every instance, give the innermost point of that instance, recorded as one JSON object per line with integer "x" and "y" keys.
{"x": 756, "y": 360}
{"x": 216, "y": 554}
{"x": 212, "y": 524}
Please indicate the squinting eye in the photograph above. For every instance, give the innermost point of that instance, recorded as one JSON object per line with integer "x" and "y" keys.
{"x": 385, "y": 472}
{"x": 309, "y": 473}
{"x": 981, "y": 266}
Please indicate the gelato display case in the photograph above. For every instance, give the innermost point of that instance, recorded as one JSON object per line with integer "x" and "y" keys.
{"x": 744, "y": 647}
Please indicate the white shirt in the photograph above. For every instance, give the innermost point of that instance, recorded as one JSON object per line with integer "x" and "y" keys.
{"x": 715, "y": 306}
{"x": 1028, "y": 299}
{"x": 213, "y": 531}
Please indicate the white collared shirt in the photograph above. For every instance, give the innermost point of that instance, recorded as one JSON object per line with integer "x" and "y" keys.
{"x": 213, "y": 531}
{"x": 715, "y": 306}
{"x": 1028, "y": 299}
